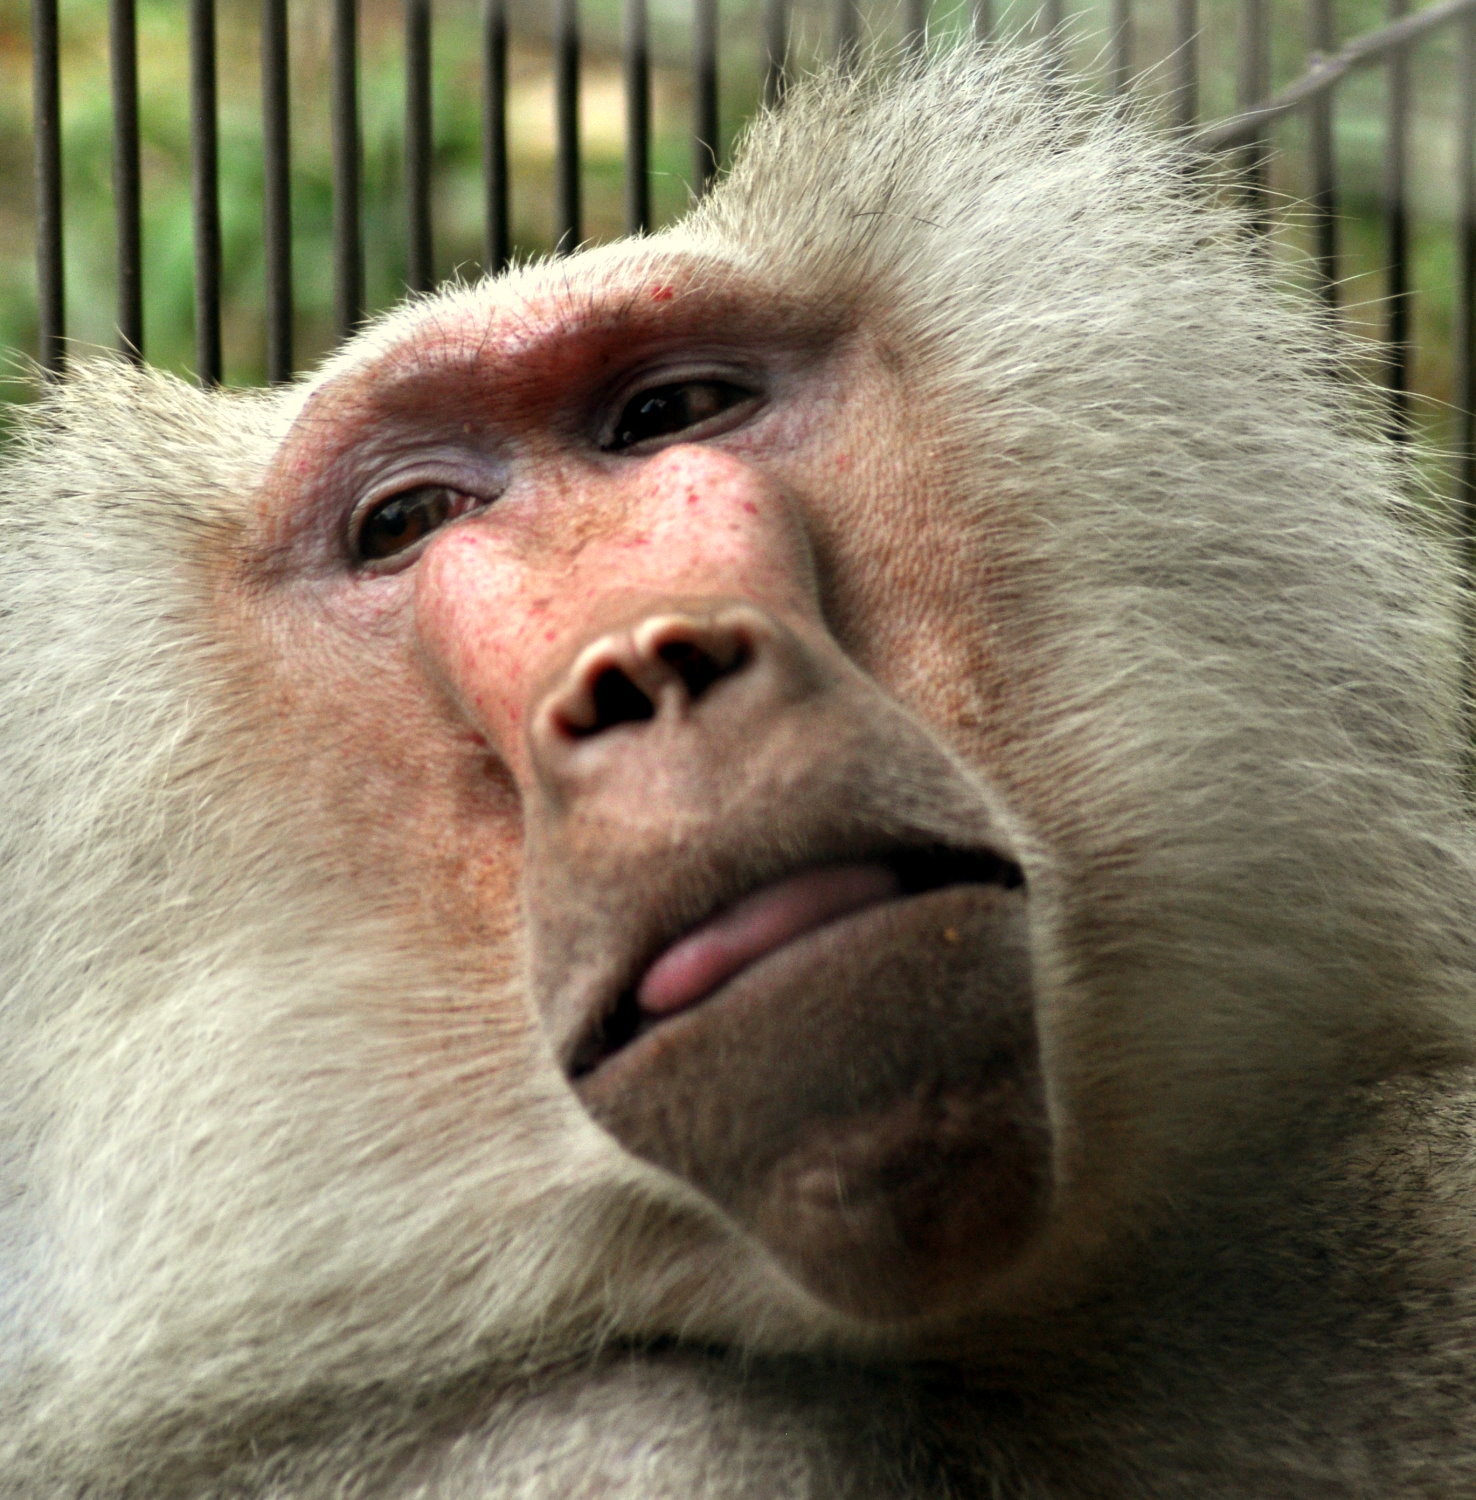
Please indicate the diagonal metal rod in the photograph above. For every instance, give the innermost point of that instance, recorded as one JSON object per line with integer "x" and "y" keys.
{"x": 1329, "y": 71}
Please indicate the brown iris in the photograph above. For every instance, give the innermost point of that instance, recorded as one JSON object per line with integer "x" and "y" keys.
{"x": 399, "y": 523}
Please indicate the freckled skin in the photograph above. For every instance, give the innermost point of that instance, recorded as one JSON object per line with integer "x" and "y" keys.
{"x": 469, "y": 588}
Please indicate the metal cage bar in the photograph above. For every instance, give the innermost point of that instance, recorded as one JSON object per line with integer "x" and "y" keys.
{"x": 1185, "y": 64}
{"x": 1396, "y": 228}
{"x": 51, "y": 312}
{"x": 348, "y": 250}
{"x": 276, "y": 207}
{"x": 566, "y": 97}
{"x": 1323, "y": 199}
{"x": 1252, "y": 80}
{"x": 915, "y": 25}
{"x": 637, "y": 72}
{"x": 705, "y": 144}
{"x": 205, "y": 191}
{"x": 127, "y": 181}
{"x": 420, "y": 274}
{"x": 845, "y": 31}
{"x": 775, "y": 48}
{"x": 497, "y": 231}
{"x": 1120, "y": 54}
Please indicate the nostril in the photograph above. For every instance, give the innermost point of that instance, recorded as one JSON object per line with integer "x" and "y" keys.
{"x": 699, "y": 668}
{"x": 617, "y": 700}
{"x": 667, "y": 663}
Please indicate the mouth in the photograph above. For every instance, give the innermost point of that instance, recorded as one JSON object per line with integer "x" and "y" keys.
{"x": 696, "y": 964}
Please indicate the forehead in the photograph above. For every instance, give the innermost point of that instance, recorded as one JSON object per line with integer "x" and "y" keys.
{"x": 556, "y": 319}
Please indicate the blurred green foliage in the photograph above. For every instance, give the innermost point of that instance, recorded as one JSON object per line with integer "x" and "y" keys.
{"x": 458, "y": 204}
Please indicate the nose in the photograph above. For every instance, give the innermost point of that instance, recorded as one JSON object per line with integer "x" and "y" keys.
{"x": 606, "y": 603}
{"x": 680, "y": 690}
{"x": 665, "y": 663}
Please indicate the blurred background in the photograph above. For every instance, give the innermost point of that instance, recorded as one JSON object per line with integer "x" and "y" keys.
{"x": 1402, "y": 215}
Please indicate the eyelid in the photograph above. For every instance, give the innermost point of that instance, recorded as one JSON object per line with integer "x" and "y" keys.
{"x": 653, "y": 377}
{"x": 407, "y": 472}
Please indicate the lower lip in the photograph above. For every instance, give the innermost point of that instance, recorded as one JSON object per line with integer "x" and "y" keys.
{"x": 697, "y": 964}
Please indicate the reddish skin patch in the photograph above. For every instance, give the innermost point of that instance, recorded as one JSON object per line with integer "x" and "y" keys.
{"x": 750, "y": 507}
{"x": 843, "y": 463}
{"x": 662, "y": 293}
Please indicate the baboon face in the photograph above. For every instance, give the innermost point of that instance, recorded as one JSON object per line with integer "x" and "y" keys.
{"x": 652, "y": 702}
{"x": 797, "y": 733}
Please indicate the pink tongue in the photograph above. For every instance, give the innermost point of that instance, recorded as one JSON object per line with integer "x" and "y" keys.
{"x": 698, "y": 963}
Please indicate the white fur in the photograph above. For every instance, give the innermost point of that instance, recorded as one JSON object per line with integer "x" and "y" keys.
{"x": 230, "y": 1225}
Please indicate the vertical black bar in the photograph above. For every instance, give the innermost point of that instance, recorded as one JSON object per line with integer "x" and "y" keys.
{"x": 566, "y": 92}
{"x": 205, "y": 191}
{"x": 276, "y": 152}
{"x": 1464, "y": 332}
{"x": 846, "y": 31}
{"x": 705, "y": 144}
{"x": 1120, "y": 69}
{"x": 1324, "y": 172}
{"x": 494, "y": 133}
{"x": 637, "y": 62}
{"x": 1251, "y": 85}
{"x": 348, "y": 250}
{"x": 1396, "y": 226}
{"x": 46, "y": 102}
{"x": 1052, "y": 18}
{"x": 1186, "y": 64}
{"x": 776, "y": 48}
{"x": 915, "y": 25}
{"x": 127, "y": 221}
{"x": 420, "y": 269}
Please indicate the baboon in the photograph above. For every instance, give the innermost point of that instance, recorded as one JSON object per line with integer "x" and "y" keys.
{"x": 820, "y": 855}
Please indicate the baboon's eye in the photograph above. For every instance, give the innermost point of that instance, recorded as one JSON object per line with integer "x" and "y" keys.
{"x": 402, "y": 522}
{"x": 663, "y": 410}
